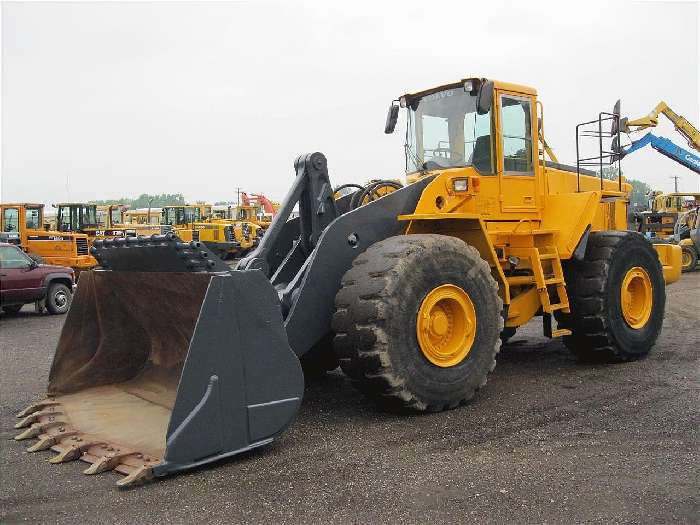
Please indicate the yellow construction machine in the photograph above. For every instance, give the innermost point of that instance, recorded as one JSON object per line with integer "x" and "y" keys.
{"x": 97, "y": 222}
{"x": 664, "y": 211}
{"x": 169, "y": 360}
{"x": 687, "y": 236}
{"x": 196, "y": 223}
{"x": 23, "y": 224}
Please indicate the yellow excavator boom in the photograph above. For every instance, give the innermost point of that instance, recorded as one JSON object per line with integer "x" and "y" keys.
{"x": 682, "y": 125}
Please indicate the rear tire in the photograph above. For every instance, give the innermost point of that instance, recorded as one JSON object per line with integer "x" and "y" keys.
{"x": 689, "y": 258}
{"x": 377, "y": 311}
{"x": 58, "y": 299}
{"x": 603, "y": 328}
{"x": 12, "y": 309}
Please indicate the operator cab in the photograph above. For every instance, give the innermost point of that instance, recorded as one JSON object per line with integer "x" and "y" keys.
{"x": 453, "y": 126}
{"x": 177, "y": 215}
{"x": 76, "y": 217}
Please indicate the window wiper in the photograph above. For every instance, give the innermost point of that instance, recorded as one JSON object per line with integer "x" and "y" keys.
{"x": 417, "y": 161}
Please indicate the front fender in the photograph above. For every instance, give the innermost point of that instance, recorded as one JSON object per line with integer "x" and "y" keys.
{"x": 670, "y": 257}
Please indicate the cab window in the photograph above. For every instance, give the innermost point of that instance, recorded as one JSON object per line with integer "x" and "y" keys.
{"x": 10, "y": 220}
{"x": 12, "y": 258}
{"x": 516, "y": 124}
{"x": 33, "y": 218}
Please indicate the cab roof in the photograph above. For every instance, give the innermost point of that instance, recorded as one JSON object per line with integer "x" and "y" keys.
{"x": 498, "y": 84}
{"x": 25, "y": 204}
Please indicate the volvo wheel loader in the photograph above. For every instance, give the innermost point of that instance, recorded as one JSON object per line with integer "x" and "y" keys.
{"x": 169, "y": 360}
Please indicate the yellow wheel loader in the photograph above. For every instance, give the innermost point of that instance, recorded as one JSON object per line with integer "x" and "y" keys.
{"x": 687, "y": 236}
{"x": 23, "y": 224}
{"x": 195, "y": 222}
{"x": 169, "y": 360}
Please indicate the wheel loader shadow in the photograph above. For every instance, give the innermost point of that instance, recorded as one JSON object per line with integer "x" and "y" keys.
{"x": 332, "y": 406}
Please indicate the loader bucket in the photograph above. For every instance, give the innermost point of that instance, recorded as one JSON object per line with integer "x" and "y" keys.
{"x": 156, "y": 372}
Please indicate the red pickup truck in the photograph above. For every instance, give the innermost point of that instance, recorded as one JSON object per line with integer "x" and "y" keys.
{"x": 23, "y": 280}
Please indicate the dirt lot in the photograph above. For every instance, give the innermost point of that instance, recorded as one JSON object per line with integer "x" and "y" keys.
{"x": 548, "y": 440}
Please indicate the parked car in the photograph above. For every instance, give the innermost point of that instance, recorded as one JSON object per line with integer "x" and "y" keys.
{"x": 24, "y": 280}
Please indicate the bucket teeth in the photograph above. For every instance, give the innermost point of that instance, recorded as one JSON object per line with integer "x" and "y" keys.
{"x": 49, "y": 440}
{"x": 105, "y": 463}
{"x": 37, "y": 429}
{"x": 35, "y": 407}
{"x": 35, "y": 416}
{"x": 140, "y": 475}
{"x": 74, "y": 451}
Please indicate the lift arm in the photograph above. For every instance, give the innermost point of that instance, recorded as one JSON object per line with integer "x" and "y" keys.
{"x": 685, "y": 128}
{"x": 667, "y": 148}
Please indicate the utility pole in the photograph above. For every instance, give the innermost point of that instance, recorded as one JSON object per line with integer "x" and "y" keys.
{"x": 675, "y": 182}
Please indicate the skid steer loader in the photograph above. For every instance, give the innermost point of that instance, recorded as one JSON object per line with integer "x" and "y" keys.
{"x": 169, "y": 359}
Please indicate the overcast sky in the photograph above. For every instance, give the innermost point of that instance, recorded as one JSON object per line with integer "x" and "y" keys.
{"x": 102, "y": 100}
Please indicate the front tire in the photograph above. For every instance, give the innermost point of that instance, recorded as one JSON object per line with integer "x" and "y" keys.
{"x": 617, "y": 296}
{"x": 58, "y": 299}
{"x": 417, "y": 322}
{"x": 689, "y": 259}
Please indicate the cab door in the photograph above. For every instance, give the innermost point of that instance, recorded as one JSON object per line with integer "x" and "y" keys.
{"x": 517, "y": 152}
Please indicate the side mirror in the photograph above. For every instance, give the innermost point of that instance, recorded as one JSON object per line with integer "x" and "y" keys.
{"x": 616, "y": 125}
{"x": 391, "y": 117}
{"x": 484, "y": 99}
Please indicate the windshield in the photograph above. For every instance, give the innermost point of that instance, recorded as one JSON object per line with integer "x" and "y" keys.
{"x": 33, "y": 218}
{"x": 445, "y": 131}
{"x": 180, "y": 215}
{"x": 76, "y": 217}
{"x": 12, "y": 257}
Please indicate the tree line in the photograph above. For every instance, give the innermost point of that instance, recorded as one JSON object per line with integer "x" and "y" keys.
{"x": 142, "y": 201}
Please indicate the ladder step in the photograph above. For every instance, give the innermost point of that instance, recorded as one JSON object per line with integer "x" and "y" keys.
{"x": 547, "y": 256}
{"x": 561, "y": 332}
{"x": 560, "y": 306}
{"x": 519, "y": 280}
{"x": 555, "y": 280}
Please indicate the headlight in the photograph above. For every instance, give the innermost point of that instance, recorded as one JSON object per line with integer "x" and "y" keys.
{"x": 460, "y": 185}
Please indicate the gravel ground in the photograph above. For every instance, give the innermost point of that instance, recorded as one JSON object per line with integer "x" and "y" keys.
{"x": 548, "y": 440}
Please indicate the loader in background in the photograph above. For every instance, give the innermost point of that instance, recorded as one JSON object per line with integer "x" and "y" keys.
{"x": 169, "y": 360}
{"x": 226, "y": 238}
{"x": 664, "y": 210}
{"x": 94, "y": 221}
{"x": 24, "y": 224}
{"x": 687, "y": 236}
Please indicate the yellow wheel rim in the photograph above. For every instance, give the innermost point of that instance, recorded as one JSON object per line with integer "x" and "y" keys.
{"x": 636, "y": 298}
{"x": 446, "y": 325}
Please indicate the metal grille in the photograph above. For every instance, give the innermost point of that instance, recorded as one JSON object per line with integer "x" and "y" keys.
{"x": 81, "y": 246}
{"x": 605, "y": 127}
